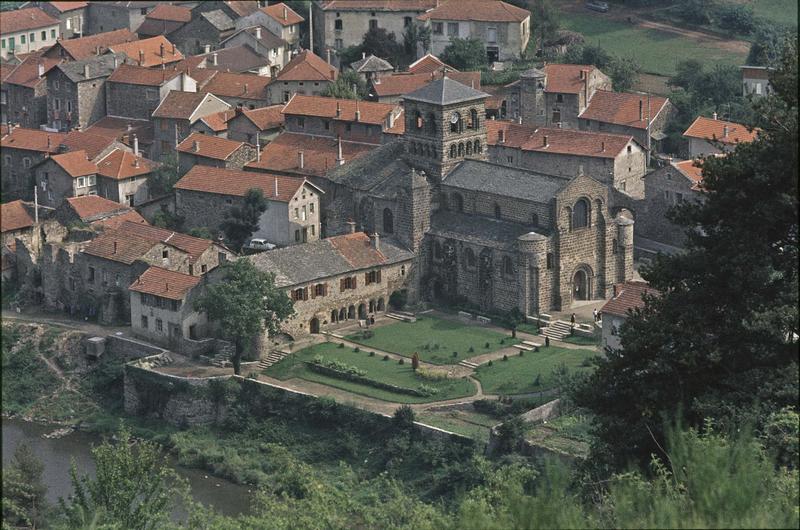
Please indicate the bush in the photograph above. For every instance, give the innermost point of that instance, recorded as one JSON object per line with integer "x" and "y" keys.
{"x": 487, "y": 345}
{"x": 401, "y": 361}
{"x": 586, "y": 362}
{"x": 538, "y": 380}
{"x": 521, "y": 353}
{"x": 432, "y": 374}
{"x": 385, "y": 357}
{"x": 737, "y": 17}
{"x": 341, "y": 345}
{"x": 489, "y": 363}
{"x": 455, "y": 354}
{"x": 502, "y": 341}
{"x": 367, "y": 334}
{"x": 356, "y": 349}
{"x": 338, "y": 366}
{"x": 372, "y": 354}
{"x": 471, "y": 350}
{"x": 428, "y": 390}
{"x": 505, "y": 357}
{"x": 404, "y": 417}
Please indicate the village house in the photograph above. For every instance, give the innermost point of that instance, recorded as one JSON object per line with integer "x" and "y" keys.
{"x": 257, "y": 126}
{"x": 152, "y": 52}
{"x": 504, "y": 28}
{"x": 174, "y": 116}
{"x": 755, "y": 81}
{"x": 239, "y": 90}
{"x": 64, "y": 175}
{"x": 339, "y": 24}
{"x": 711, "y": 136}
{"x": 95, "y": 144}
{"x": 76, "y": 95}
{"x": 108, "y": 16}
{"x": 122, "y": 176}
{"x": 21, "y": 149}
{"x": 205, "y": 150}
{"x": 203, "y": 32}
{"x": 17, "y": 221}
{"x": 164, "y": 19}
{"x": 95, "y": 211}
{"x": 627, "y": 298}
{"x": 391, "y": 88}
{"x": 293, "y": 204}
{"x": 614, "y": 159}
{"x": 348, "y": 277}
{"x": 214, "y": 124}
{"x": 71, "y": 16}
{"x": 26, "y": 30}
{"x": 135, "y": 91}
{"x": 371, "y": 68}
{"x": 280, "y": 19}
{"x": 26, "y": 91}
{"x": 89, "y": 46}
{"x": 259, "y": 40}
{"x": 123, "y": 131}
{"x": 237, "y": 59}
{"x": 305, "y": 74}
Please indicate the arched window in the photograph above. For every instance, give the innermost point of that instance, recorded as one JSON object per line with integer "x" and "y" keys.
{"x": 497, "y": 213}
{"x": 580, "y": 214}
{"x": 418, "y": 121}
{"x": 473, "y": 119}
{"x": 469, "y": 148}
{"x": 388, "y": 221}
{"x": 453, "y": 151}
{"x": 477, "y": 147}
{"x": 458, "y": 202}
{"x": 469, "y": 258}
{"x": 431, "y": 123}
{"x": 535, "y": 219}
{"x": 508, "y": 266}
{"x": 461, "y": 149}
{"x": 437, "y": 250}
{"x": 456, "y": 123}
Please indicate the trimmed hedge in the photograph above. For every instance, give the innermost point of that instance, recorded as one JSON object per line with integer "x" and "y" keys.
{"x": 332, "y": 372}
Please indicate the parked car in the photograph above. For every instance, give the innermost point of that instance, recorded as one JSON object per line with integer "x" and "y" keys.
{"x": 597, "y": 5}
{"x": 261, "y": 244}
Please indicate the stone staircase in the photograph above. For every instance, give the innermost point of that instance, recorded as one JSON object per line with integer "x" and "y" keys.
{"x": 402, "y": 315}
{"x": 273, "y": 357}
{"x": 467, "y": 364}
{"x": 557, "y": 330}
{"x": 528, "y": 345}
{"x": 157, "y": 361}
{"x": 221, "y": 360}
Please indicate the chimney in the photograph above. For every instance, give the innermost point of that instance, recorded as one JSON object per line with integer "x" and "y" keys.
{"x": 245, "y": 88}
{"x": 276, "y": 186}
{"x": 136, "y": 162}
{"x": 391, "y": 119}
{"x": 135, "y": 145}
{"x": 258, "y": 147}
{"x": 715, "y": 116}
{"x": 196, "y": 146}
{"x": 603, "y": 147}
{"x": 129, "y": 127}
{"x": 258, "y": 32}
{"x": 214, "y": 58}
{"x": 583, "y": 74}
{"x": 301, "y": 160}
{"x": 328, "y": 55}
{"x": 338, "y": 110}
{"x": 173, "y": 48}
{"x": 86, "y": 70}
{"x": 351, "y": 225}
{"x": 358, "y": 114}
{"x": 376, "y": 241}
{"x": 141, "y": 57}
{"x": 48, "y": 142}
{"x": 285, "y": 13}
{"x": 97, "y": 50}
{"x": 724, "y": 131}
{"x": 641, "y": 110}
{"x": 519, "y": 120}
{"x": 339, "y": 156}
{"x": 501, "y": 136}
{"x": 207, "y": 48}
{"x": 116, "y": 62}
{"x": 40, "y": 69}
{"x": 161, "y": 49}
{"x": 545, "y": 141}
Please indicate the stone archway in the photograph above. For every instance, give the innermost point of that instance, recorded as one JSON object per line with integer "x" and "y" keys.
{"x": 334, "y": 316}
{"x": 351, "y": 312}
{"x": 342, "y": 314}
{"x": 313, "y": 325}
{"x": 581, "y": 285}
{"x": 381, "y": 306}
{"x": 362, "y": 311}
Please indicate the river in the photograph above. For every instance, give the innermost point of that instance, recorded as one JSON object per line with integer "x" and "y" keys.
{"x": 56, "y": 454}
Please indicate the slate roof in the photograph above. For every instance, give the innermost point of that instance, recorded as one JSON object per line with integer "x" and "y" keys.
{"x": 324, "y": 258}
{"x": 152, "y": 51}
{"x": 622, "y": 108}
{"x": 14, "y": 216}
{"x": 234, "y": 182}
{"x": 404, "y": 83}
{"x": 16, "y": 20}
{"x": 283, "y": 14}
{"x": 32, "y": 140}
{"x": 380, "y": 165}
{"x": 179, "y": 105}
{"x": 134, "y": 239}
{"x": 485, "y": 177}
{"x": 237, "y": 59}
{"x": 209, "y": 146}
{"x": 242, "y": 86}
{"x": 242, "y": 8}
{"x": 85, "y": 47}
{"x": 711, "y": 129}
{"x": 27, "y": 72}
{"x": 164, "y": 283}
{"x": 371, "y": 64}
{"x": 476, "y": 10}
{"x": 305, "y": 66}
{"x": 219, "y": 19}
{"x": 445, "y": 91}
{"x": 319, "y": 154}
{"x": 559, "y": 141}
{"x": 268, "y": 39}
{"x": 479, "y": 230}
{"x": 139, "y": 75}
{"x": 75, "y": 163}
{"x": 151, "y": 27}
{"x": 99, "y": 66}
{"x": 565, "y": 78}
{"x": 120, "y": 165}
{"x": 628, "y": 297}
{"x": 324, "y": 107}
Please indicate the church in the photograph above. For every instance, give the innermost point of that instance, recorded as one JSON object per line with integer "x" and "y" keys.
{"x": 493, "y": 236}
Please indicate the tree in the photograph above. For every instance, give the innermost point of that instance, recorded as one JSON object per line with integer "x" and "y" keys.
{"x": 589, "y": 54}
{"x": 244, "y": 302}
{"x": 624, "y": 71}
{"x": 514, "y": 318}
{"x": 414, "y": 34}
{"x": 167, "y": 219}
{"x": 343, "y": 86}
{"x": 415, "y": 361}
{"x": 161, "y": 181}
{"x": 465, "y": 54}
{"x": 383, "y": 44}
{"x": 133, "y": 487}
{"x": 737, "y": 17}
{"x": 687, "y": 74}
{"x": 544, "y": 20}
{"x": 23, "y": 489}
{"x": 720, "y": 341}
{"x": 404, "y": 418}
{"x": 695, "y": 11}
{"x": 768, "y": 44}
{"x": 241, "y": 221}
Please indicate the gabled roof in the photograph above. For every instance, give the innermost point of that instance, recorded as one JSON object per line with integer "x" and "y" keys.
{"x": 96, "y": 66}
{"x": 218, "y": 121}
{"x": 93, "y": 143}
{"x": 242, "y": 86}
{"x": 306, "y": 66}
{"x": 140, "y": 75}
{"x": 339, "y": 109}
{"x": 265, "y": 118}
{"x": 170, "y": 12}
{"x": 404, "y": 83}
{"x": 268, "y": 39}
{"x": 150, "y": 51}
{"x": 477, "y": 10}
{"x": 628, "y": 297}
{"x": 164, "y": 283}
{"x": 219, "y": 19}
{"x": 85, "y": 47}
{"x": 27, "y": 73}
{"x": 622, "y": 108}
{"x": 236, "y": 59}
{"x": 181, "y": 105}
{"x": 68, "y": 6}
{"x": 566, "y": 78}
{"x": 92, "y": 208}
{"x": 14, "y": 216}
{"x": 120, "y": 165}
{"x": 16, "y": 20}
{"x": 209, "y": 146}
{"x": 242, "y": 8}
{"x": 378, "y": 5}
{"x": 221, "y": 181}
{"x": 428, "y": 63}
{"x": 32, "y": 140}
{"x": 151, "y": 27}
{"x": 130, "y": 241}
{"x": 506, "y": 181}
{"x": 371, "y": 64}
{"x": 118, "y": 129}
{"x": 282, "y": 14}
{"x": 319, "y": 154}
{"x": 692, "y": 170}
{"x": 726, "y": 132}
{"x": 75, "y": 163}
{"x": 445, "y": 91}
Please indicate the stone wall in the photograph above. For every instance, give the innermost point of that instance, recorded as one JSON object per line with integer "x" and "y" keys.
{"x": 16, "y": 175}
{"x": 129, "y": 348}
{"x": 282, "y": 91}
{"x": 664, "y": 188}
{"x": 27, "y": 106}
{"x": 134, "y": 101}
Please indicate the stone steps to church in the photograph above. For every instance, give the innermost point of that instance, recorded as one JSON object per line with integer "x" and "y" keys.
{"x": 468, "y": 364}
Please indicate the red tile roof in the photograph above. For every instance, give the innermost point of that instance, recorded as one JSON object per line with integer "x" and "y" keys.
{"x": 114, "y": 222}
{"x": 265, "y": 118}
{"x": 32, "y": 140}
{"x": 628, "y": 297}
{"x": 378, "y": 5}
{"x": 16, "y": 20}
{"x": 14, "y": 216}
{"x": 85, "y": 47}
{"x": 477, "y": 10}
{"x": 218, "y": 122}
{"x": 711, "y": 129}
{"x": 566, "y": 78}
{"x": 134, "y": 239}
{"x": 27, "y": 73}
{"x": 179, "y": 105}
{"x": 170, "y": 12}
{"x": 283, "y": 14}
{"x": 357, "y": 250}
{"x": 559, "y": 141}
{"x": 427, "y": 64}
{"x": 75, "y": 163}
{"x": 306, "y": 66}
{"x": 622, "y": 108}
{"x": 140, "y": 75}
{"x": 405, "y": 83}
{"x": 68, "y": 6}
{"x": 242, "y": 8}
{"x": 693, "y": 170}
{"x": 117, "y": 128}
{"x": 92, "y": 142}
{"x": 151, "y": 48}
{"x": 339, "y": 109}
{"x": 209, "y": 146}
{"x": 755, "y": 72}
{"x": 319, "y": 154}
{"x": 93, "y": 208}
{"x": 243, "y": 86}
{"x": 165, "y": 283}
{"x": 120, "y": 165}
{"x": 222, "y": 181}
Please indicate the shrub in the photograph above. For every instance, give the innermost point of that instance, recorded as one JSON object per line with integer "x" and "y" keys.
{"x": 455, "y": 354}
{"x": 521, "y": 353}
{"x": 415, "y": 361}
{"x": 486, "y": 345}
{"x": 471, "y": 350}
{"x": 489, "y": 363}
{"x": 367, "y": 334}
{"x": 737, "y": 17}
{"x": 538, "y": 380}
{"x": 385, "y": 357}
{"x": 502, "y": 341}
{"x": 505, "y": 357}
{"x": 401, "y": 361}
{"x": 356, "y": 349}
{"x": 372, "y": 354}
{"x": 404, "y": 417}
{"x": 426, "y": 347}
{"x": 586, "y": 362}
{"x": 428, "y": 390}
{"x": 341, "y": 345}
{"x": 432, "y": 374}
{"x": 435, "y": 346}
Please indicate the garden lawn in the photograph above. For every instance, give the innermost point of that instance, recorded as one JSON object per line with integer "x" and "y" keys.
{"x": 375, "y": 367}
{"x": 435, "y": 339}
{"x": 471, "y": 424}
{"x": 583, "y": 341}
{"x": 657, "y": 51}
{"x": 780, "y": 11}
{"x": 518, "y": 374}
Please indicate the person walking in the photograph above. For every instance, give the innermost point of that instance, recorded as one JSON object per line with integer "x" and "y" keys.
{"x": 595, "y": 314}
{"x": 572, "y": 320}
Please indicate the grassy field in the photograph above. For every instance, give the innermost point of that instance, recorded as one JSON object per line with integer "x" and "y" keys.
{"x": 583, "y": 341}
{"x": 569, "y": 434}
{"x": 780, "y": 11}
{"x": 657, "y": 51}
{"x": 375, "y": 367}
{"x": 435, "y": 340}
{"x": 518, "y": 374}
{"x": 468, "y": 423}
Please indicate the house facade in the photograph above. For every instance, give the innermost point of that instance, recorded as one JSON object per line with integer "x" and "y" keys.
{"x": 122, "y": 176}
{"x": 305, "y": 74}
{"x": 27, "y": 30}
{"x": 256, "y": 127}
{"x": 174, "y": 116}
{"x": 21, "y": 149}
{"x": 711, "y": 136}
{"x": 64, "y": 175}
{"x": 71, "y": 16}
{"x": 280, "y": 19}
{"x": 25, "y": 89}
{"x": 213, "y": 151}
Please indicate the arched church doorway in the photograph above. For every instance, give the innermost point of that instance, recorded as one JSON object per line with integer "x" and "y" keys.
{"x": 314, "y": 325}
{"x": 580, "y": 285}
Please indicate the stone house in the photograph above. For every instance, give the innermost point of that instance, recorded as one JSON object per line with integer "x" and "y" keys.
{"x": 89, "y": 46}
{"x": 21, "y": 149}
{"x": 124, "y": 130}
{"x": 305, "y": 74}
{"x": 614, "y": 159}
{"x": 710, "y": 136}
{"x": 275, "y": 51}
{"x": 292, "y": 215}
{"x": 153, "y": 52}
{"x": 164, "y": 19}
{"x": 71, "y": 16}
{"x": 26, "y": 30}
{"x": 505, "y": 28}
{"x": 339, "y": 24}
{"x": 135, "y": 91}
{"x": 371, "y": 68}
{"x": 204, "y": 32}
{"x": 280, "y": 19}
{"x": 16, "y": 222}
{"x": 240, "y": 90}
{"x": 627, "y": 297}
{"x": 205, "y": 150}
{"x": 162, "y": 307}
{"x": 64, "y": 175}
{"x": 256, "y": 127}
{"x": 174, "y": 116}
{"x": 347, "y": 277}
{"x": 95, "y": 211}
{"x": 755, "y": 81}
{"x": 391, "y": 88}
{"x": 76, "y": 95}
{"x": 214, "y": 124}
{"x": 26, "y": 92}
{"x": 108, "y": 16}
{"x": 239, "y": 59}
{"x": 122, "y": 177}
